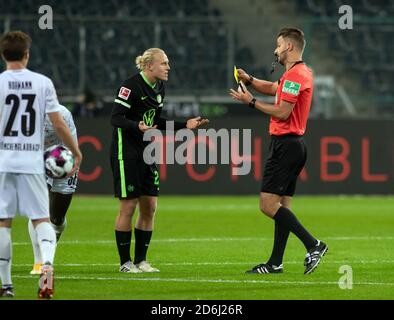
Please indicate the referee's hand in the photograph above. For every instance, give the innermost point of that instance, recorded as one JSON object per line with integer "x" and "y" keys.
{"x": 243, "y": 96}
{"x": 143, "y": 127}
{"x": 242, "y": 75}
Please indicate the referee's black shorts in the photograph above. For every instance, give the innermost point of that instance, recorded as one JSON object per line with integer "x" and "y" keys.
{"x": 134, "y": 178}
{"x": 286, "y": 158}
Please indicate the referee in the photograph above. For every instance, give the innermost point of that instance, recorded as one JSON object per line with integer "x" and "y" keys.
{"x": 137, "y": 108}
{"x": 287, "y": 151}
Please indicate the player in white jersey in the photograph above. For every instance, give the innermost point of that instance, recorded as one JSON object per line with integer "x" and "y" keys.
{"x": 25, "y": 98}
{"x": 60, "y": 190}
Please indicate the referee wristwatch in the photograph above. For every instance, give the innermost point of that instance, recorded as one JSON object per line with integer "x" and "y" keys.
{"x": 252, "y": 103}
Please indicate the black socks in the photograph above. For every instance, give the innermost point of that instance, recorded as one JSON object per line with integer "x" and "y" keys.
{"x": 142, "y": 240}
{"x": 123, "y": 239}
{"x": 280, "y": 241}
{"x": 285, "y": 218}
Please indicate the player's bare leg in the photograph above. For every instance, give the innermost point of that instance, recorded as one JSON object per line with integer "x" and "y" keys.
{"x": 58, "y": 207}
{"x": 36, "y": 250}
{"x": 269, "y": 204}
{"x": 281, "y": 235}
{"x": 6, "y": 289}
{"x": 286, "y": 201}
{"x": 147, "y": 209}
{"x": 126, "y": 212}
{"x": 123, "y": 229}
{"x": 286, "y": 219}
{"x": 47, "y": 241}
{"x": 143, "y": 232}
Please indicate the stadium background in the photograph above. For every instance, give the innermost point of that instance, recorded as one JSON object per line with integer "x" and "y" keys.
{"x": 203, "y": 244}
{"x": 92, "y": 48}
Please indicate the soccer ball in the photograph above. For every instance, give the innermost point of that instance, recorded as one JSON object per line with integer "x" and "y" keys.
{"x": 58, "y": 161}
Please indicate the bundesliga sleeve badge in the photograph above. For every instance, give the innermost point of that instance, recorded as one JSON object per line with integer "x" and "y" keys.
{"x": 291, "y": 87}
{"x": 124, "y": 93}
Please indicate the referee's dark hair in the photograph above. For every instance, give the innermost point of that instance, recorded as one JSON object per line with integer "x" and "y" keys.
{"x": 14, "y": 45}
{"x": 294, "y": 34}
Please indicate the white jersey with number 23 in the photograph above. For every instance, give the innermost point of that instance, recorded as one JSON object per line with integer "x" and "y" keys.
{"x": 25, "y": 98}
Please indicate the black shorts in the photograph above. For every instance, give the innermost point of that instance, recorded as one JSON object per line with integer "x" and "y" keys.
{"x": 286, "y": 158}
{"x": 134, "y": 178}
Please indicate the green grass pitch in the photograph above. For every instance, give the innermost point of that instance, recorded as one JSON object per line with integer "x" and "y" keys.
{"x": 203, "y": 245}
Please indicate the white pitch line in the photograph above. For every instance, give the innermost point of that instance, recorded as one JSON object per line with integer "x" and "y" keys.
{"x": 212, "y": 280}
{"x": 372, "y": 238}
{"x": 209, "y": 263}
{"x": 190, "y": 207}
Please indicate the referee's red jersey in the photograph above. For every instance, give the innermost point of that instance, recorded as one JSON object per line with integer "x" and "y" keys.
{"x": 295, "y": 86}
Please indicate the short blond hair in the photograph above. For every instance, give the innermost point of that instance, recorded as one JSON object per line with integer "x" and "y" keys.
{"x": 147, "y": 58}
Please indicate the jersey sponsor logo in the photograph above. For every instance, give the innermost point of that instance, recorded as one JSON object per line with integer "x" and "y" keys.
{"x": 291, "y": 87}
{"x": 20, "y": 146}
{"x": 159, "y": 98}
{"x": 124, "y": 93}
{"x": 149, "y": 116}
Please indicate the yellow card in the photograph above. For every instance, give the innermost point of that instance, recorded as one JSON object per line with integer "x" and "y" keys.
{"x": 236, "y": 74}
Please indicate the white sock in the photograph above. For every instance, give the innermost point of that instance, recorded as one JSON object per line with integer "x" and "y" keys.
{"x": 34, "y": 242}
{"x": 47, "y": 241}
{"x": 5, "y": 256}
{"x": 59, "y": 229}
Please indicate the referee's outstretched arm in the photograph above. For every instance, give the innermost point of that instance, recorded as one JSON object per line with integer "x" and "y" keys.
{"x": 282, "y": 113}
{"x": 262, "y": 86}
